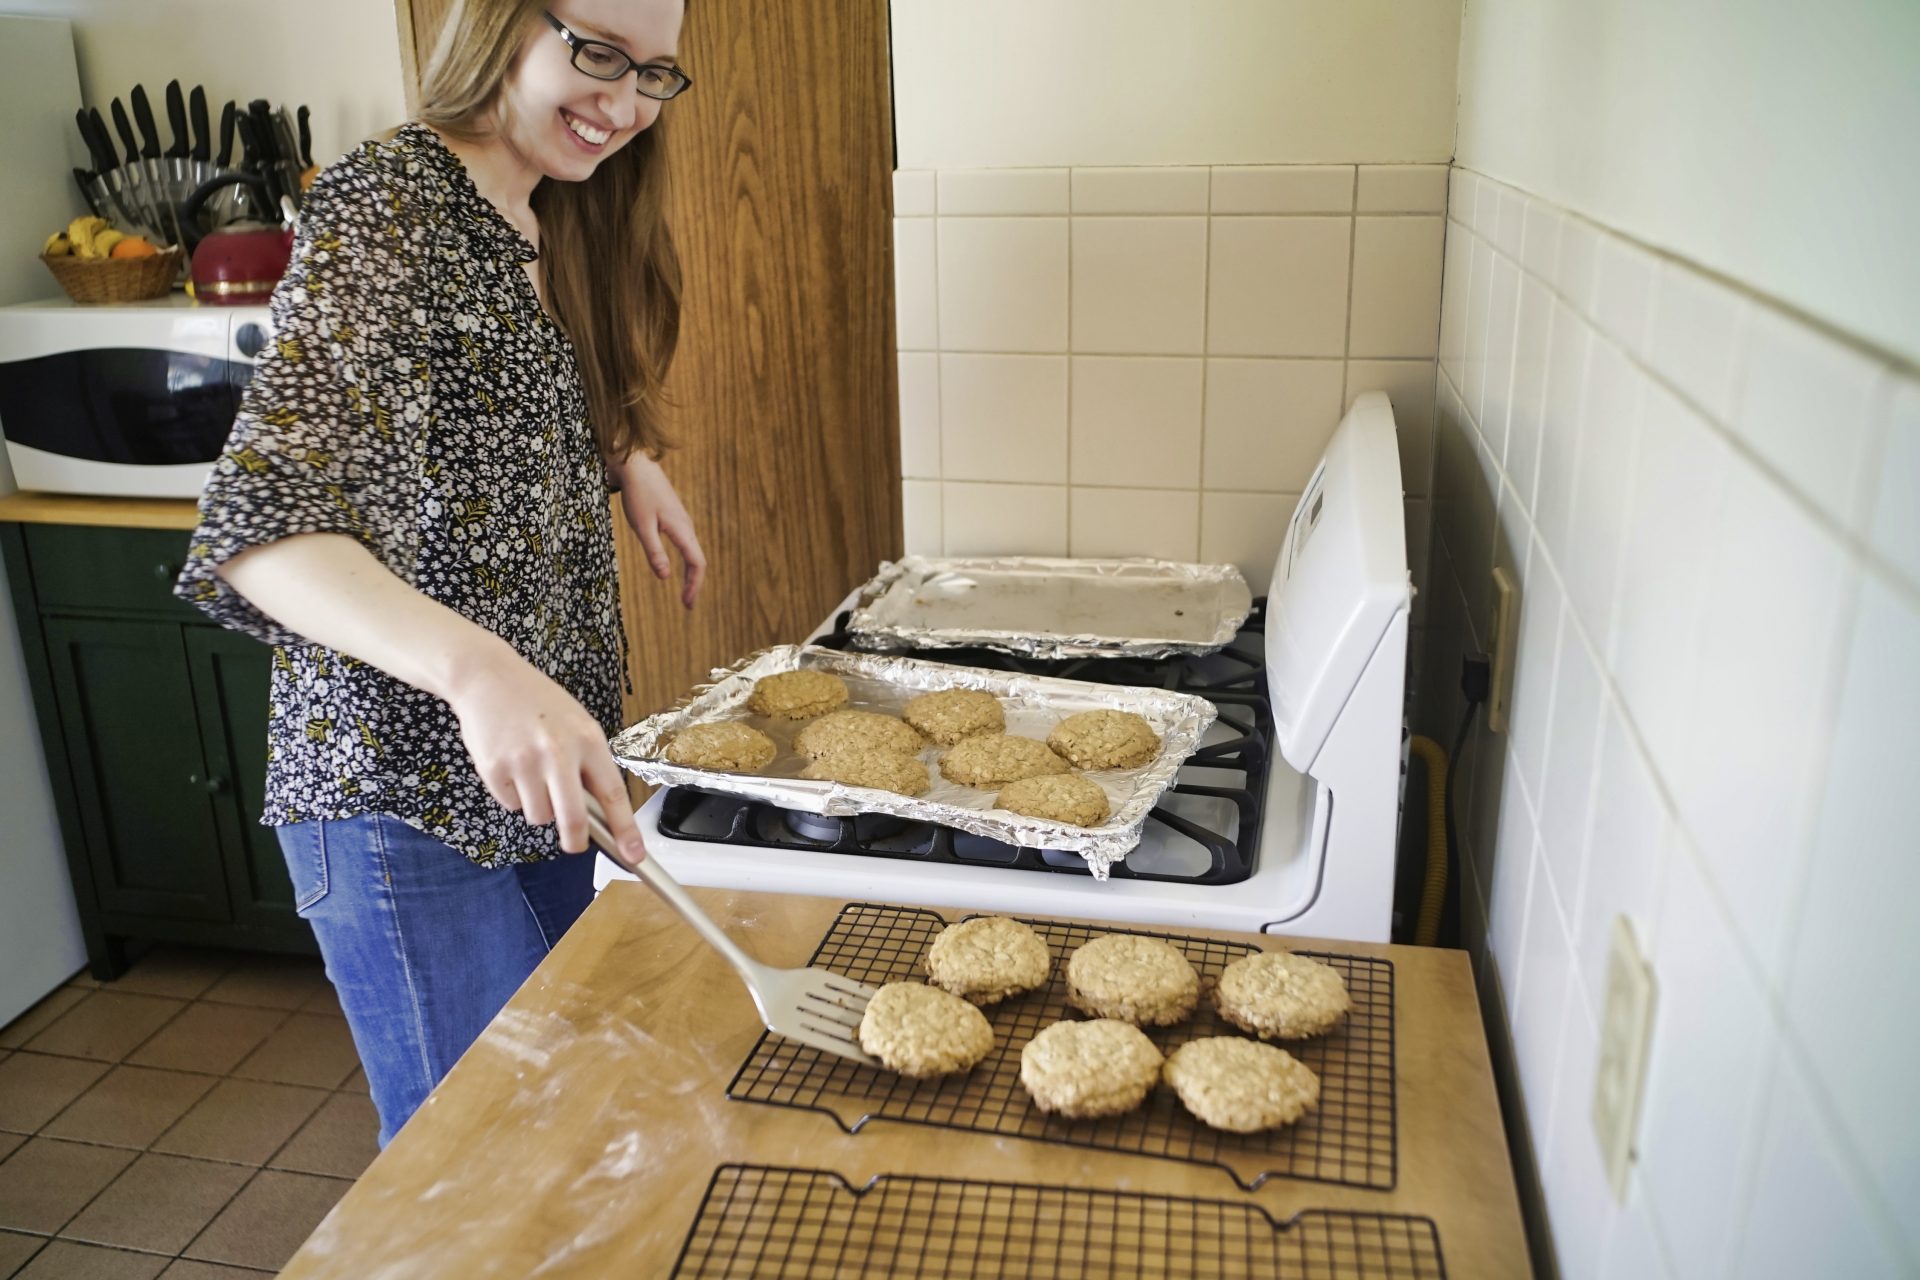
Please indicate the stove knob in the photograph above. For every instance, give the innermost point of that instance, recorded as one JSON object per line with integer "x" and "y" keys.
{"x": 251, "y": 339}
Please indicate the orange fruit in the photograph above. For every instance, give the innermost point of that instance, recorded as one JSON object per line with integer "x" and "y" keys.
{"x": 134, "y": 247}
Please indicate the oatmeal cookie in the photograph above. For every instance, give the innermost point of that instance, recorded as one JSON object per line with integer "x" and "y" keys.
{"x": 723, "y": 744}
{"x": 797, "y": 695}
{"x": 1105, "y": 740}
{"x": 1281, "y": 996}
{"x": 922, "y": 1031}
{"x": 1099, "y": 1068}
{"x": 987, "y": 959}
{"x": 871, "y": 767}
{"x": 953, "y": 714}
{"x": 1241, "y": 1085}
{"x": 1136, "y": 979}
{"x": 839, "y": 730}
{"x": 993, "y": 759}
{"x": 1058, "y": 797}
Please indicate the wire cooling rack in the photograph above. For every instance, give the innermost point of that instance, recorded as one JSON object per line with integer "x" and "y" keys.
{"x": 1349, "y": 1138}
{"x": 759, "y": 1221}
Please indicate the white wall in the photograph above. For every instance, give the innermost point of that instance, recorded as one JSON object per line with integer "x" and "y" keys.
{"x": 1775, "y": 141}
{"x": 1015, "y": 83}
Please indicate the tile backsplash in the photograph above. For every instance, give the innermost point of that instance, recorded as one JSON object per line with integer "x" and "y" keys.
{"x": 1711, "y": 506}
{"x": 1103, "y": 362}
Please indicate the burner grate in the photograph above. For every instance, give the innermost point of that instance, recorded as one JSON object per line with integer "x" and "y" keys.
{"x": 1348, "y": 1139}
{"x": 760, "y": 1221}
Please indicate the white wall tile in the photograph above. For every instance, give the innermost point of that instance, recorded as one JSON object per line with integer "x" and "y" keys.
{"x": 1004, "y": 519}
{"x": 1540, "y": 239}
{"x": 1804, "y": 405}
{"x": 1455, "y": 288}
{"x": 1710, "y": 1042}
{"x": 1507, "y": 222}
{"x": 1546, "y": 994}
{"x": 1560, "y": 427}
{"x": 1268, "y": 422}
{"x": 1516, "y": 861}
{"x": 1623, "y": 292}
{"x": 1164, "y": 523}
{"x": 1574, "y": 264}
{"x": 1895, "y": 528}
{"x": 913, "y": 193}
{"x": 920, "y": 514}
{"x": 1409, "y": 384}
{"x": 1629, "y": 828}
{"x": 915, "y": 295}
{"x": 1136, "y": 421}
{"x": 1278, "y": 286}
{"x": 1633, "y": 1248}
{"x": 1579, "y": 1201}
{"x": 1563, "y": 803}
{"x": 1479, "y": 315}
{"x": 1402, "y": 188}
{"x": 1857, "y": 932}
{"x": 1003, "y": 418}
{"x": 1396, "y": 286}
{"x": 1245, "y": 529}
{"x": 1486, "y": 208}
{"x": 1536, "y": 651}
{"x": 1139, "y": 285}
{"x": 1496, "y": 394}
{"x": 919, "y": 414}
{"x": 1300, "y": 188}
{"x": 1003, "y": 284}
{"x": 1003, "y": 192}
{"x": 1182, "y": 190}
{"x": 1694, "y": 336}
{"x": 1609, "y": 433}
{"x": 1532, "y": 332}
{"x": 1461, "y": 184}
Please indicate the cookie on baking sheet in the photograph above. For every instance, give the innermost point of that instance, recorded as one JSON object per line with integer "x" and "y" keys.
{"x": 1239, "y": 1085}
{"x": 870, "y": 767}
{"x": 953, "y": 714}
{"x": 994, "y": 759}
{"x": 988, "y": 958}
{"x": 797, "y": 695}
{"x": 1136, "y": 979}
{"x": 839, "y": 730}
{"x": 1105, "y": 740}
{"x": 1083, "y": 1069}
{"x": 1281, "y": 996}
{"x": 1057, "y": 797}
{"x": 922, "y": 1031}
{"x": 722, "y": 744}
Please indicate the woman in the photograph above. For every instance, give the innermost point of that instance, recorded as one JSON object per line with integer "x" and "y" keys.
{"x": 468, "y": 351}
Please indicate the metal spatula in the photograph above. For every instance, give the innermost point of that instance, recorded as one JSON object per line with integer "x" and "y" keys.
{"x": 816, "y": 1007}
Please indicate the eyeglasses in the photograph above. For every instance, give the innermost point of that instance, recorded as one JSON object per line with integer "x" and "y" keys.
{"x": 603, "y": 61}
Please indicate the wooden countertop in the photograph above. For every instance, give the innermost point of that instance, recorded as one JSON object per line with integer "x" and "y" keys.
{"x": 579, "y": 1134}
{"x": 27, "y": 507}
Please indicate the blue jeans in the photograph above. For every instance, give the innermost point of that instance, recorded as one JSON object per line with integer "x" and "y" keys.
{"x": 423, "y": 946}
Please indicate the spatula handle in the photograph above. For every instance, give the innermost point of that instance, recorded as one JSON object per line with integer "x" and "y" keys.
{"x": 650, "y": 870}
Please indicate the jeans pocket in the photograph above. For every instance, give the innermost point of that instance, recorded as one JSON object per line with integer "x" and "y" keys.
{"x": 304, "y": 846}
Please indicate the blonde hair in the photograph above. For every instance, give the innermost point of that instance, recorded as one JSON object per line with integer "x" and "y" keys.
{"x": 611, "y": 271}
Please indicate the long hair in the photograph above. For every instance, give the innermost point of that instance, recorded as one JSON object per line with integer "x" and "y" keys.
{"x": 607, "y": 256}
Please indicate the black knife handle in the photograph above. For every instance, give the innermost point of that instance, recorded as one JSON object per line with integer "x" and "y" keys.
{"x": 177, "y": 120}
{"x": 306, "y": 137}
{"x": 125, "y": 128}
{"x": 261, "y": 112}
{"x": 101, "y": 162}
{"x": 226, "y": 136}
{"x": 143, "y": 116}
{"x": 84, "y": 180}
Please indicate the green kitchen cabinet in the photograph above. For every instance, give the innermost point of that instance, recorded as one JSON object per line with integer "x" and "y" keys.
{"x": 153, "y": 723}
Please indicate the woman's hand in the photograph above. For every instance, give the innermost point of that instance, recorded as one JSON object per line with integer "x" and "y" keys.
{"x": 658, "y": 517}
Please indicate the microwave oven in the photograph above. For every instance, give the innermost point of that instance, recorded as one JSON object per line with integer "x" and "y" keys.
{"x": 132, "y": 400}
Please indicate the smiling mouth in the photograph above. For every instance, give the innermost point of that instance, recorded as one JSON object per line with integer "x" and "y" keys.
{"x": 585, "y": 132}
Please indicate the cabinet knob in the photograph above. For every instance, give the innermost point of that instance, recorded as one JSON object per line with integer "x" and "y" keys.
{"x": 212, "y": 784}
{"x": 164, "y": 572}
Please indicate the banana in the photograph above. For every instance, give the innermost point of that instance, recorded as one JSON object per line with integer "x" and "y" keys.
{"x": 57, "y": 245}
{"x": 104, "y": 240}
{"x": 80, "y": 233}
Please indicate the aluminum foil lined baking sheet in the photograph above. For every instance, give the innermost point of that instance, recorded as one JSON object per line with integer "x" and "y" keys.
{"x": 878, "y": 682}
{"x": 1049, "y": 608}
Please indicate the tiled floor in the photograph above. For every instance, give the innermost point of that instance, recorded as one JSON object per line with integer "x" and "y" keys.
{"x": 194, "y": 1120}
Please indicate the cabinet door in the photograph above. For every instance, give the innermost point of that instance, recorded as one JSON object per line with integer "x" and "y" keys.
{"x": 126, "y": 711}
{"x": 230, "y": 677}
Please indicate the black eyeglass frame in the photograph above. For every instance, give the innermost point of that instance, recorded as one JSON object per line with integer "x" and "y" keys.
{"x": 580, "y": 44}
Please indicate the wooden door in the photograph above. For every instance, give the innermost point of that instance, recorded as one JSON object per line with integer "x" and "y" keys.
{"x": 784, "y": 386}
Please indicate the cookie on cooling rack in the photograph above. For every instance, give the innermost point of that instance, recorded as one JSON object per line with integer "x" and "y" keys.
{"x": 722, "y": 744}
{"x": 987, "y": 959}
{"x": 1281, "y": 996}
{"x": 953, "y": 714}
{"x": 1057, "y": 797}
{"x": 1085, "y": 1069}
{"x": 1239, "y": 1085}
{"x": 922, "y": 1031}
{"x": 994, "y": 759}
{"x": 797, "y": 695}
{"x": 1145, "y": 981}
{"x": 1105, "y": 740}
{"x": 840, "y": 730}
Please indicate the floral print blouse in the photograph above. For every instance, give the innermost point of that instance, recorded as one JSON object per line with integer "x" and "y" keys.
{"x": 417, "y": 398}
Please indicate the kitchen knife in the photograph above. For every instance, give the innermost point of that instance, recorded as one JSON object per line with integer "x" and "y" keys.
{"x": 283, "y": 142}
{"x": 306, "y": 138}
{"x": 143, "y": 116}
{"x": 158, "y": 192}
{"x": 226, "y": 136}
{"x": 86, "y": 179}
{"x": 253, "y": 161}
{"x": 177, "y": 121}
{"x": 132, "y": 177}
{"x": 202, "y": 135}
{"x": 96, "y": 186}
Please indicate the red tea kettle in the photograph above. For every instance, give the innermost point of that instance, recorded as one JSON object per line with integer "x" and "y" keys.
{"x": 241, "y": 262}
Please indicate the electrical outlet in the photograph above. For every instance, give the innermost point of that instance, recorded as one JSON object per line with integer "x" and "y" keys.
{"x": 1624, "y": 1031}
{"x": 1506, "y": 626}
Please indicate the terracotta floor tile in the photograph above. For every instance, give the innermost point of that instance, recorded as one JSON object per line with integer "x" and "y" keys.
{"x": 189, "y": 1269}
{"x": 16, "y": 1248}
{"x": 130, "y": 1107}
{"x": 325, "y": 1000}
{"x": 159, "y": 1204}
{"x": 9, "y": 1142}
{"x": 40, "y": 1016}
{"x": 65, "y": 1260}
{"x": 47, "y": 1181}
{"x": 212, "y": 1038}
{"x": 308, "y": 1048}
{"x": 357, "y": 1082}
{"x": 241, "y": 1120}
{"x": 341, "y": 1139}
{"x": 272, "y": 982}
{"x": 106, "y": 1025}
{"x": 180, "y": 972}
{"x": 270, "y": 1218}
{"x": 34, "y": 1087}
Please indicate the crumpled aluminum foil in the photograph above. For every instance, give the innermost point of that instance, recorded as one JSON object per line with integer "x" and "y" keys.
{"x": 877, "y": 682}
{"x": 1047, "y": 608}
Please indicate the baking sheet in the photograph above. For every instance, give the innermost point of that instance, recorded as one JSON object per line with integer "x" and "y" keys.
{"x": 877, "y": 682}
{"x": 1048, "y": 608}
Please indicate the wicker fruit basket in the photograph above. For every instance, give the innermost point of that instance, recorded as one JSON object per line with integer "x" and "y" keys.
{"x": 116, "y": 279}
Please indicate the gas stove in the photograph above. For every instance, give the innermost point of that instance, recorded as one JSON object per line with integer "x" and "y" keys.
{"x": 1285, "y": 818}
